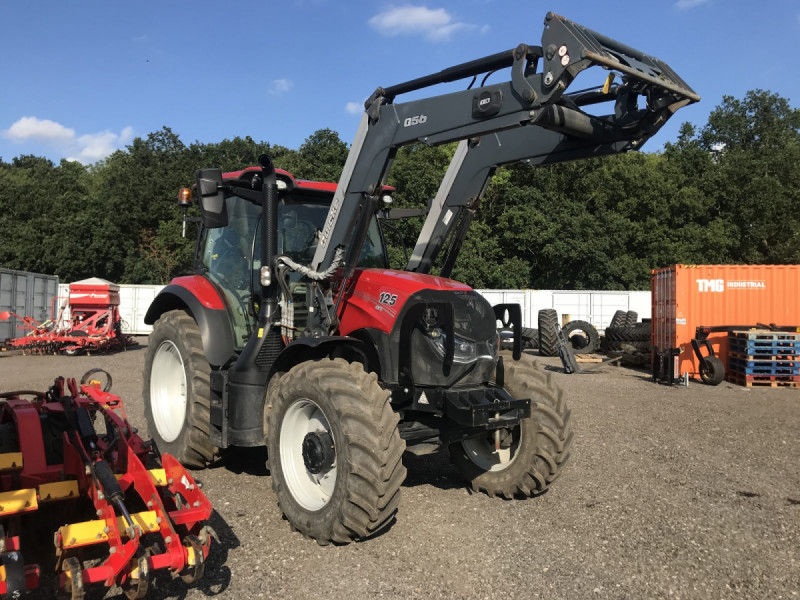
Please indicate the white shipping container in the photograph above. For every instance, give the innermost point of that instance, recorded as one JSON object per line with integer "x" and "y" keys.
{"x": 595, "y": 306}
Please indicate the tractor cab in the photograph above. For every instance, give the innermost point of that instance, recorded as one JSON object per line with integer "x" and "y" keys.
{"x": 228, "y": 251}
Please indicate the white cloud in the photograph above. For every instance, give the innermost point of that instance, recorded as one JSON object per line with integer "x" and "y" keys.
{"x": 354, "y": 108}
{"x": 280, "y": 86}
{"x": 435, "y": 25}
{"x": 686, "y": 4}
{"x": 87, "y": 148}
{"x": 39, "y": 130}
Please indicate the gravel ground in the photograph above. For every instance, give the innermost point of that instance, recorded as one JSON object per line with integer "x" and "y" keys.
{"x": 670, "y": 493}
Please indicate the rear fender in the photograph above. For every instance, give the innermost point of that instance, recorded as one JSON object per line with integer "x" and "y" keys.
{"x": 214, "y": 323}
{"x": 349, "y": 348}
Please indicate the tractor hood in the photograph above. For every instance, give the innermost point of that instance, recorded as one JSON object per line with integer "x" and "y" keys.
{"x": 375, "y": 297}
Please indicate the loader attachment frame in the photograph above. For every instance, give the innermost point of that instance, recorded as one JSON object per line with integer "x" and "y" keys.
{"x": 532, "y": 97}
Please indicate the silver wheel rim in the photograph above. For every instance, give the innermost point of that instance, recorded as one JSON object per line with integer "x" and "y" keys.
{"x": 168, "y": 391}
{"x": 481, "y": 452}
{"x": 311, "y": 491}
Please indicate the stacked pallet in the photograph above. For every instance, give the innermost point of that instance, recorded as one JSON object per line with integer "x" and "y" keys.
{"x": 764, "y": 358}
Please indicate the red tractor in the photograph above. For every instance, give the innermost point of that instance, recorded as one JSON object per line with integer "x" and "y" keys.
{"x": 294, "y": 333}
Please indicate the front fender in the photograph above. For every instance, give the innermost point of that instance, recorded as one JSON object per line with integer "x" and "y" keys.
{"x": 208, "y": 311}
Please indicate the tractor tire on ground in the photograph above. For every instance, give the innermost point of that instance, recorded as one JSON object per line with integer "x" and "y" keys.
{"x": 335, "y": 451}
{"x": 712, "y": 371}
{"x": 535, "y": 451}
{"x": 583, "y": 337}
{"x": 176, "y": 390}
{"x": 631, "y": 318}
{"x": 619, "y": 319}
{"x": 637, "y": 335}
{"x": 530, "y": 338}
{"x": 548, "y": 332}
{"x": 643, "y": 347}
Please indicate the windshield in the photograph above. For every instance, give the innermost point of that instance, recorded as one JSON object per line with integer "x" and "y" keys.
{"x": 300, "y": 219}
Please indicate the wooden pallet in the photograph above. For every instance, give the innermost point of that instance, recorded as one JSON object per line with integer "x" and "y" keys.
{"x": 764, "y": 347}
{"x": 765, "y": 335}
{"x": 588, "y": 358}
{"x": 763, "y": 367}
{"x": 765, "y": 357}
{"x": 763, "y": 380}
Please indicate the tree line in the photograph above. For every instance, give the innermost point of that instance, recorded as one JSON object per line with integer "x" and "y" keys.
{"x": 728, "y": 192}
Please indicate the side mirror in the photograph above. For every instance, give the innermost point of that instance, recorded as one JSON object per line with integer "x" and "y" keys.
{"x": 212, "y": 198}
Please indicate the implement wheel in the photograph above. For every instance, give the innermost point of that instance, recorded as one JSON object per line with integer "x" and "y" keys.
{"x": 197, "y": 565}
{"x": 533, "y": 454}
{"x": 137, "y": 587}
{"x": 335, "y": 452}
{"x": 72, "y": 578}
{"x": 177, "y": 394}
{"x": 712, "y": 370}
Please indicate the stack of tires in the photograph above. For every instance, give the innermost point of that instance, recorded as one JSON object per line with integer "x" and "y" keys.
{"x": 624, "y": 331}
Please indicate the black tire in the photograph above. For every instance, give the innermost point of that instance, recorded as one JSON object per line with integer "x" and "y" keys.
{"x": 530, "y": 338}
{"x": 712, "y": 371}
{"x": 548, "y": 332}
{"x": 619, "y": 319}
{"x": 366, "y": 451}
{"x": 541, "y": 443}
{"x": 631, "y": 318}
{"x": 176, "y": 331}
{"x": 638, "y": 336}
{"x": 641, "y": 332}
{"x": 583, "y": 337}
{"x": 640, "y": 346}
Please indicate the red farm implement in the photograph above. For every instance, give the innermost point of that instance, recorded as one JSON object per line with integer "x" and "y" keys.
{"x": 88, "y": 321}
{"x": 117, "y": 512}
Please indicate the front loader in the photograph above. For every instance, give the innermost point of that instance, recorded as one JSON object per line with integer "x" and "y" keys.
{"x": 294, "y": 333}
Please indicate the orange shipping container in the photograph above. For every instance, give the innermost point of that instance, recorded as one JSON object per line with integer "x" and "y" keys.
{"x": 686, "y": 297}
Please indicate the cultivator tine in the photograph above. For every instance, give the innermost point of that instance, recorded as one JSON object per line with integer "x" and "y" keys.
{"x": 167, "y": 534}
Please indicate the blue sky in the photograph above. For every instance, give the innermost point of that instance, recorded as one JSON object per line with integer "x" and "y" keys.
{"x": 83, "y": 78}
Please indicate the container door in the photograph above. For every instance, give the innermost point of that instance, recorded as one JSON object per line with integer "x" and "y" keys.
{"x": 604, "y": 305}
{"x": 572, "y": 306}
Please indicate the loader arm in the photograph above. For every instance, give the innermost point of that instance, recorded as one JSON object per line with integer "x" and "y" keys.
{"x": 475, "y": 161}
{"x": 533, "y": 96}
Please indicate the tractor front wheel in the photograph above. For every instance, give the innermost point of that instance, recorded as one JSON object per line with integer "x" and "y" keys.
{"x": 335, "y": 451}
{"x": 531, "y": 455}
{"x": 177, "y": 395}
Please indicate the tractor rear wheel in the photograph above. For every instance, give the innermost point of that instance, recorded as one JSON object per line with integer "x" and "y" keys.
{"x": 548, "y": 332}
{"x": 582, "y": 336}
{"x": 177, "y": 395}
{"x": 533, "y": 454}
{"x": 335, "y": 451}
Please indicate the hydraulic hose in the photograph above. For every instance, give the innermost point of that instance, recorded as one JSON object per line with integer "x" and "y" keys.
{"x": 338, "y": 255}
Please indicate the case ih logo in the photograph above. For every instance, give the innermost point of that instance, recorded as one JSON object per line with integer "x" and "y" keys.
{"x": 719, "y": 285}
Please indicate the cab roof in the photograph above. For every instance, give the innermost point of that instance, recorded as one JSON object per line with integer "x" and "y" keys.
{"x": 320, "y": 186}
